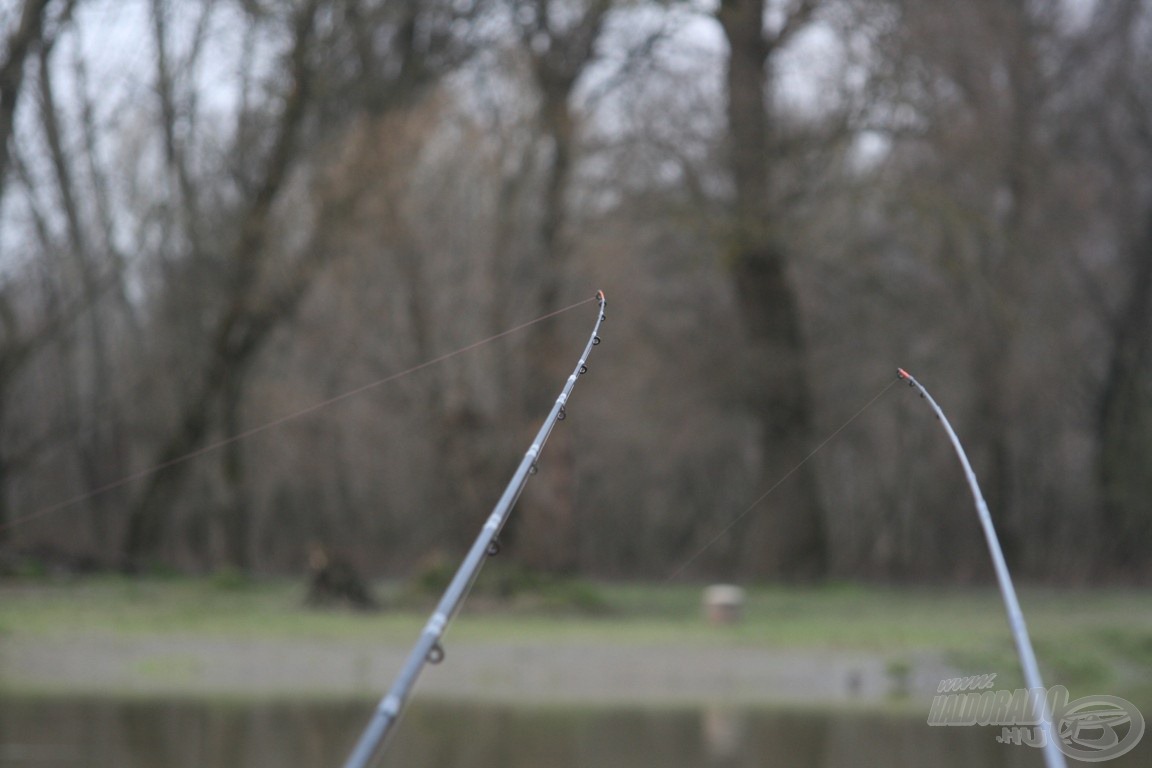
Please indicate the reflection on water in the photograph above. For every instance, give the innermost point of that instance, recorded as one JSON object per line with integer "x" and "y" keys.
{"x": 156, "y": 734}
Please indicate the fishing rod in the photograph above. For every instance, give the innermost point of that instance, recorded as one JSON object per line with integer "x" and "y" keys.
{"x": 1053, "y": 757}
{"x": 427, "y": 649}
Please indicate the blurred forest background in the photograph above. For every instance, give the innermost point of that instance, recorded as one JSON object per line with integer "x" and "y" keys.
{"x": 216, "y": 213}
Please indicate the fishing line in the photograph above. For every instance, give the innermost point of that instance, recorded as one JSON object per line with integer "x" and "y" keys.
{"x": 281, "y": 420}
{"x": 778, "y": 483}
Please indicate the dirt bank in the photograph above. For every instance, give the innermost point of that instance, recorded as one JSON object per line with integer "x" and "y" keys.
{"x": 100, "y": 664}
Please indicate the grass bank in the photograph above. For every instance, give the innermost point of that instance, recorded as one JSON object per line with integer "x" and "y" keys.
{"x": 1090, "y": 641}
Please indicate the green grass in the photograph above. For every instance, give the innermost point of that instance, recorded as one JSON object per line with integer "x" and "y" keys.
{"x": 1084, "y": 639}
{"x": 184, "y": 606}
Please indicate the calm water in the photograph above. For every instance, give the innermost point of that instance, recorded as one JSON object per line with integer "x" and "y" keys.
{"x": 154, "y": 734}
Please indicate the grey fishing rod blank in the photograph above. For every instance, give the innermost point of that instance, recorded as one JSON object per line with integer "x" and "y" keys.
{"x": 1053, "y": 757}
{"x": 428, "y": 649}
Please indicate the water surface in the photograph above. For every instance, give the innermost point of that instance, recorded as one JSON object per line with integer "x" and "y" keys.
{"x": 66, "y": 732}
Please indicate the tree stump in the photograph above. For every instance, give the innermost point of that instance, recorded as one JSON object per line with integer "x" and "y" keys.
{"x": 723, "y": 604}
{"x": 333, "y": 580}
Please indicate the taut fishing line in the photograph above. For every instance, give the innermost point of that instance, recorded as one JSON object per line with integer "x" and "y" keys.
{"x": 778, "y": 483}
{"x": 21, "y": 519}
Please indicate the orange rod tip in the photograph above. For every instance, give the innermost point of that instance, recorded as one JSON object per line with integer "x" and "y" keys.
{"x": 600, "y": 295}
{"x": 903, "y": 373}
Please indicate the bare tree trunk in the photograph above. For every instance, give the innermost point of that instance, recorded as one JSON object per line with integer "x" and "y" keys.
{"x": 175, "y": 156}
{"x": 101, "y": 446}
{"x": 235, "y": 521}
{"x": 545, "y": 533}
{"x": 789, "y": 538}
{"x": 21, "y": 42}
{"x": 1120, "y": 112}
{"x": 103, "y": 204}
{"x": 19, "y": 346}
{"x": 998, "y": 472}
{"x": 1124, "y": 423}
{"x": 241, "y": 329}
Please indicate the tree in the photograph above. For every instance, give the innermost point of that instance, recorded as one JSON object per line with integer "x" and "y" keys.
{"x": 559, "y": 40}
{"x": 21, "y": 43}
{"x": 249, "y": 310}
{"x": 1115, "y": 109}
{"x": 17, "y": 346}
{"x": 793, "y": 539}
